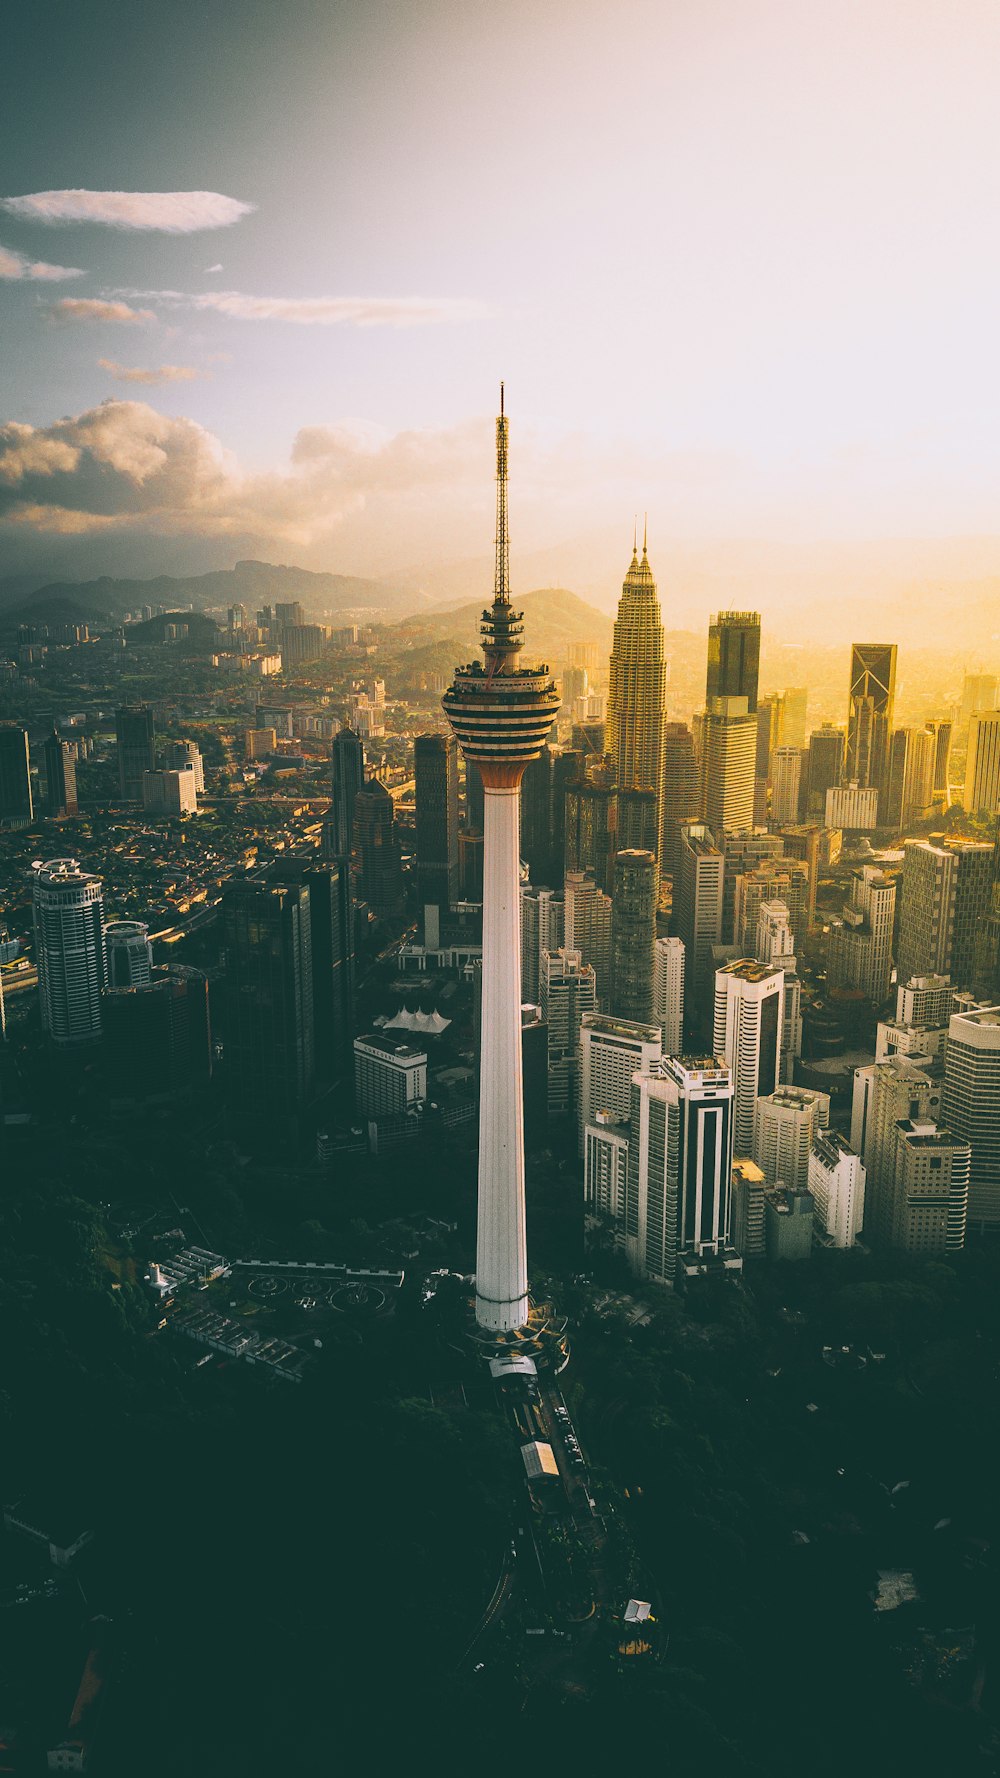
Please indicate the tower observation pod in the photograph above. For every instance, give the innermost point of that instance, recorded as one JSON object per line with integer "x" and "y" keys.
{"x": 501, "y": 713}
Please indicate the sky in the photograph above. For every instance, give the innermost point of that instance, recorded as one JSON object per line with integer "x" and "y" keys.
{"x": 262, "y": 269}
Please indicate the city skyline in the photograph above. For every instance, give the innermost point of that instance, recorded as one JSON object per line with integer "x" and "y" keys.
{"x": 499, "y": 1062}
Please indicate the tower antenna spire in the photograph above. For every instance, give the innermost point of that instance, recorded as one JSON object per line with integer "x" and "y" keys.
{"x": 645, "y": 528}
{"x": 501, "y": 572}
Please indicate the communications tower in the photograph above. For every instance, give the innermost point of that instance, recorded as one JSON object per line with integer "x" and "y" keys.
{"x": 502, "y": 714}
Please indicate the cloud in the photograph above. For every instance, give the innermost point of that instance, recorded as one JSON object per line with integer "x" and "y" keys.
{"x": 213, "y": 268}
{"x": 87, "y": 308}
{"x": 123, "y": 464}
{"x": 14, "y": 265}
{"x": 165, "y": 373}
{"x": 323, "y": 311}
{"x": 170, "y": 212}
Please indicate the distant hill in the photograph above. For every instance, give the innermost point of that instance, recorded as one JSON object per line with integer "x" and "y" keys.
{"x": 553, "y": 619}
{"x": 249, "y": 583}
{"x": 202, "y": 631}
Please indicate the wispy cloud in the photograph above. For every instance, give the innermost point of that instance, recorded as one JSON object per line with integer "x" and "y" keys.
{"x": 212, "y": 268}
{"x": 92, "y": 308}
{"x": 171, "y": 212}
{"x": 322, "y": 311}
{"x": 14, "y": 265}
{"x": 164, "y": 373}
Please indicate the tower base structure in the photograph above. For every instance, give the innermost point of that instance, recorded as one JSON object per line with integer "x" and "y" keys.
{"x": 543, "y": 1337}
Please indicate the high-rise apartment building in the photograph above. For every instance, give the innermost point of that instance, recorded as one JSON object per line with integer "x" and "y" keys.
{"x": 786, "y": 1123}
{"x": 928, "y": 1193}
{"x": 588, "y": 918}
{"x": 734, "y": 657}
{"x": 633, "y": 931}
{"x": 637, "y": 816}
{"x": 986, "y": 947}
{"x": 136, "y": 753}
{"x": 870, "y": 712}
{"x": 925, "y": 1001}
{"x": 749, "y": 1006}
{"x": 860, "y": 954}
{"x": 971, "y": 1104}
{"x": 543, "y": 928}
{"x": 568, "y": 991}
{"x": 16, "y": 807}
{"x": 331, "y": 929}
{"x": 60, "y": 776}
{"x": 381, "y": 875}
{"x": 390, "y": 1075}
{"x": 979, "y": 692}
{"x": 605, "y": 1172}
{"x": 775, "y": 946}
{"x": 728, "y": 755}
{"x": 129, "y": 954}
{"x": 981, "y": 796}
{"x": 546, "y": 782}
{"x": 697, "y": 914}
{"x": 668, "y": 992}
{"x": 818, "y": 848}
{"x": 637, "y": 691}
{"x": 777, "y": 879}
{"x": 289, "y": 612}
{"x": 770, "y": 732}
{"x": 170, "y": 793}
{"x": 681, "y": 800}
{"x": 748, "y": 1191}
{"x": 435, "y": 765}
{"x": 786, "y": 780}
{"x": 679, "y": 1181}
{"x": 68, "y": 909}
{"x": 348, "y": 767}
{"x": 824, "y": 768}
{"x": 179, "y": 756}
{"x": 945, "y": 894}
{"x": 885, "y": 1094}
{"x": 836, "y": 1180}
{"x": 611, "y": 1051}
{"x": 260, "y": 743}
{"x": 157, "y": 1038}
{"x": 269, "y": 1037}
{"x": 940, "y": 733}
{"x": 910, "y": 793}
{"x": 796, "y": 712}
{"x": 591, "y": 818}
{"x": 854, "y": 808}
{"x": 743, "y": 852}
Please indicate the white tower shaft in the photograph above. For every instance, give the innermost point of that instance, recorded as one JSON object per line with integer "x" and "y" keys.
{"x": 501, "y": 1244}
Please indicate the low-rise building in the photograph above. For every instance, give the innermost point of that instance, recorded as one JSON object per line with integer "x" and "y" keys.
{"x": 788, "y": 1223}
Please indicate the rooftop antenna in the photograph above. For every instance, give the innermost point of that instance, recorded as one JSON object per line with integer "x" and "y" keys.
{"x": 501, "y": 573}
{"x": 645, "y": 528}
